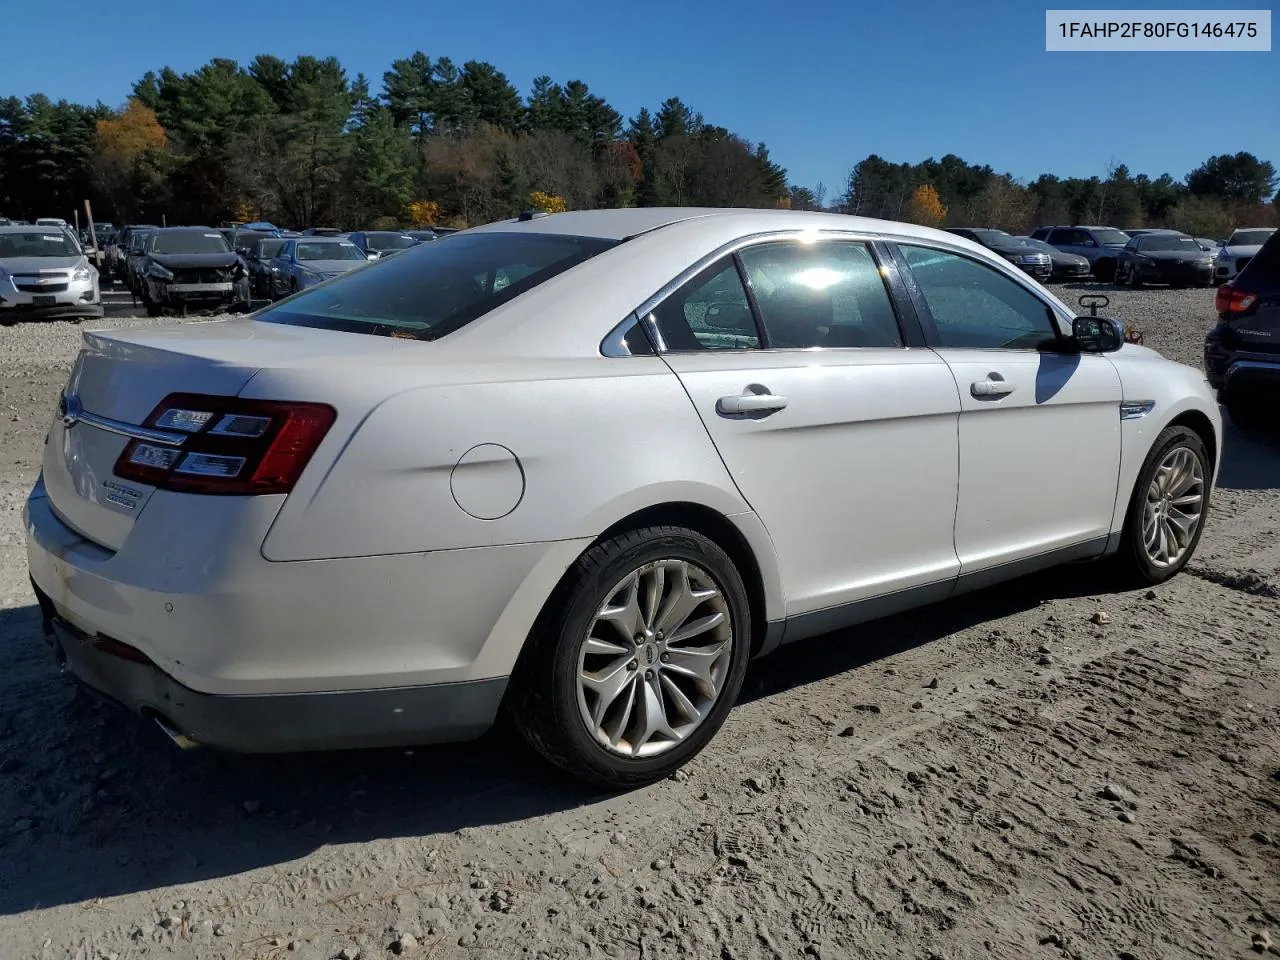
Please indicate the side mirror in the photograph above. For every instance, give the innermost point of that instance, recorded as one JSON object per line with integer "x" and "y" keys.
{"x": 371, "y": 255}
{"x": 1097, "y": 334}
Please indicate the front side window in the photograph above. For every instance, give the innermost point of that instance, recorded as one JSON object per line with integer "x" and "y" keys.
{"x": 710, "y": 312}
{"x": 827, "y": 294}
{"x": 434, "y": 288}
{"x": 1071, "y": 238}
{"x": 976, "y": 307}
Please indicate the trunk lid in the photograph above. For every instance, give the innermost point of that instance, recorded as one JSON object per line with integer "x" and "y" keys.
{"x": 122, "y": 375}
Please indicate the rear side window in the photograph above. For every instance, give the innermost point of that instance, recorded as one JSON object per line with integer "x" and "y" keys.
{"x": 435, "y": 288}
{"x": 826, "y": 294}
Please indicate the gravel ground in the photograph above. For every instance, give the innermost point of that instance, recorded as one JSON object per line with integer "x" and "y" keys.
{"x": 1043, "y": 769}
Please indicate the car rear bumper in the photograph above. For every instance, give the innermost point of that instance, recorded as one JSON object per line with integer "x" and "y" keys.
{"x": 396, "y": 716}
{"x": 190, "y": 590}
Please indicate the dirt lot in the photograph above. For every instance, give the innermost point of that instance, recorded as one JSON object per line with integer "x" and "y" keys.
{"x": 1045, "y": 769}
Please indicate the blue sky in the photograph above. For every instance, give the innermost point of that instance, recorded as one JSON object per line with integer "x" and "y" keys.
{"x": 822, "y": 82}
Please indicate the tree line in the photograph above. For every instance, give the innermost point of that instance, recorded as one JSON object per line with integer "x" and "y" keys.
{"x": 302, "y": 143}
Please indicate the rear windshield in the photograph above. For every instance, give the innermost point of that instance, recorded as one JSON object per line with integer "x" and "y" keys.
{"x": 435, "y": 288}
{"x": 189, "y": 241}
{"x": 269, "y": 248}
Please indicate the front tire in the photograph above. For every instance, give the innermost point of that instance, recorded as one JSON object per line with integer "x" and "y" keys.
{"x": 637, "y": 659}
{"x": 1167, "y": 509}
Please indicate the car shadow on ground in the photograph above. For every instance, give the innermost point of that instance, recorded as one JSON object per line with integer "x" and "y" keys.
{"x": 94, "y": 803}
{"x": 1250, "y": 459}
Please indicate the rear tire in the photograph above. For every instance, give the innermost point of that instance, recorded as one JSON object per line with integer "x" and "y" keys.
{"x": 610, "y": 738}
{"x": 1167, "y": 509}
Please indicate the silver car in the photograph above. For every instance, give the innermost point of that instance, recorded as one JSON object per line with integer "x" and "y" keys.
{"x": 306, "y": 261}
{"x": 44, "y": 275}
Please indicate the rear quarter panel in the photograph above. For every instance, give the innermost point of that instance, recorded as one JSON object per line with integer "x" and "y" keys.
{"x": 596, "y": 439}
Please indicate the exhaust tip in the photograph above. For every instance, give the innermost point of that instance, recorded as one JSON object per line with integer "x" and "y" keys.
{"x": 181, "y": 739}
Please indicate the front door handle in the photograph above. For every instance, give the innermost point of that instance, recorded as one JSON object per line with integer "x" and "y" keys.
{"x": 993, "y": 386}
{"x": 750, "y": 403}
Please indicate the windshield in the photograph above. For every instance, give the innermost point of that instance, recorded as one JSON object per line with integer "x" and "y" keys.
{"x": 389, "y": 241}
{"x": 269, "y": 248}
{"x": 189, "y": 241}
{"x": 435, "y": 288}
{"x": 37, "y": 243}
{"x": 1156, "y": 241}
{"x": 1249, "y": 238}
{"x": 996, "y": 238}
{"x": 1036, "y": 244}
{"x": 1111, "y": 236}
{"x": 329, "y": 250}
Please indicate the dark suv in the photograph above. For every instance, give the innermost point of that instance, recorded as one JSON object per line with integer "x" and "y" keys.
{"x": 1242, "y": 353}
{"x": 1099, "y": 245}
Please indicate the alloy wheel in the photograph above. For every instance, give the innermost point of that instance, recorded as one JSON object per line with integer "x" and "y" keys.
{"x": 653, "y": 663}
{"x": 1174, "y": 507}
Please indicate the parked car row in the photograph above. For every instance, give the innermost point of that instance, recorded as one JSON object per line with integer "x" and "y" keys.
{"x": 259, "y": 475}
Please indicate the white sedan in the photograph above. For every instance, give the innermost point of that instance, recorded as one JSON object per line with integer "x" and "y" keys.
{"x": 582, "y": 468}
{"x": 1238, "y": 250}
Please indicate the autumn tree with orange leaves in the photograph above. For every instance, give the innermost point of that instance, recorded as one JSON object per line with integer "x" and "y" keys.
{"x": 925, "y": 207}
{"x": 130, "y": 160}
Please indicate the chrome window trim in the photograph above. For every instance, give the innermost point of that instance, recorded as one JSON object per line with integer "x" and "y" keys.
{"x": 644, "y": 312}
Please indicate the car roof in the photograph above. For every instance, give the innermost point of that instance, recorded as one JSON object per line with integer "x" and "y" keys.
{"x": 622, "y": 224}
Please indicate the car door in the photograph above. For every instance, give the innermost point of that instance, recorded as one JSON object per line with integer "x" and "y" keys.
{"x": 840, "y": 437}
{"x": 1039, "y": 428}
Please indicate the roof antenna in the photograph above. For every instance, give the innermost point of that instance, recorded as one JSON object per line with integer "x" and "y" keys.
{"x": 532, "y": 215}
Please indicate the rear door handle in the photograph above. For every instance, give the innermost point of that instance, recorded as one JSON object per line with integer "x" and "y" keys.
{"x": 750, "y": 403}
{"x": 993, "y": 386}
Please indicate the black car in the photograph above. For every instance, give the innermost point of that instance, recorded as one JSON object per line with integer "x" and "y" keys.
{"x": 376, "y": 244}
{"x": 1242, "y": 353}
{"x": 1063, "y": 265}
{"x": 1164, "y": 256}
{"x": 1013, "y": 249}
{"x": 258, "y": 261}
{"x": 191, "y": 267}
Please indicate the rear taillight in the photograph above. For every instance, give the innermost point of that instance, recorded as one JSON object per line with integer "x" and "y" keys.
{"x": 1233, "y": 300}
{"x": 232, "y": 446}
